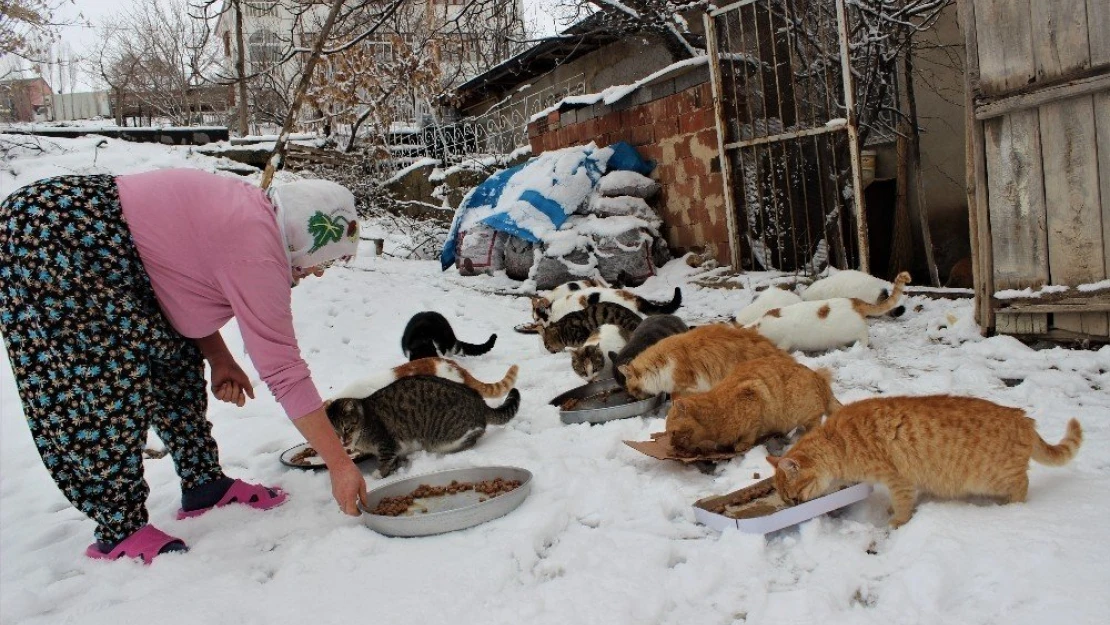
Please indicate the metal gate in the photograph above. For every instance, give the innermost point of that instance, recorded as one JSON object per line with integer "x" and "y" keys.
{"x": 787, "y": 134}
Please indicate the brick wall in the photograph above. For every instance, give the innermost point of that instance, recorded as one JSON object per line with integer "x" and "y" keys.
{"x": 671, "y": 122}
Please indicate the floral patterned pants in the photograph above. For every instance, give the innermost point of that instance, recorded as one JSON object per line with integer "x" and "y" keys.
{"x": 95, "y": 360}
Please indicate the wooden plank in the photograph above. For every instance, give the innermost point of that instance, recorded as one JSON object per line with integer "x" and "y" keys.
{"x": 1060, "y": 43}
{"x": 1056, "y": 307}
{"x": 1098, "y": 30}
{"x": 1075, "y": 248}
{"x": 1005, "y": 44}
{"x": 1029, "y": 98}
{"x": 1015, "y": 190}
{"x": 979, "y": 225}
{"x": 1102, "y": 128}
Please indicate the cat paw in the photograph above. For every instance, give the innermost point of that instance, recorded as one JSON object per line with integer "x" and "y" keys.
{"x": 895, "y": 522}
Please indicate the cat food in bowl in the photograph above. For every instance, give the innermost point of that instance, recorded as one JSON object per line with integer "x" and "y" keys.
{"x": 445, "y": 501}
{"x": 303, "y": 456}
{"x": 601, "y": 401}
{"x": 758, "y": 509}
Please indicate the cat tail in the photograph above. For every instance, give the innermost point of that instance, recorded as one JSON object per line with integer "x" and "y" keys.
{"x": 470, "y": 349}
{"x": 832, "y": 404}
{"x": 506, "y": 411}
{"x": 497, "y": 389}
{"x": 649, "y": 307}
{"x": 888, "y": 304}
{"x": 1062, "y": 453}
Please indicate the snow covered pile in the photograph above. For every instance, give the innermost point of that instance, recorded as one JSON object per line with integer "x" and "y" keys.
{"x": 575, "y": 212}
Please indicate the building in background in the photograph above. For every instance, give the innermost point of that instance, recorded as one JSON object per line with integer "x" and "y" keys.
{"x": 25, "y": 100}
{"x": 462, "y": 46}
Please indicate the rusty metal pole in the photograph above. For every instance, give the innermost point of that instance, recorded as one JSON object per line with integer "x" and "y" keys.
{"x": 719, "y": 116}
{"x": 853, "y": 137}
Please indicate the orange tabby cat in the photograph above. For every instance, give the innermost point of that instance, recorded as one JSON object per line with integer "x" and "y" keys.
{"x": 947, "y": 446}
{"x": 694, "y": 361}
{"x": 760, "y": 397}
{"x": 434, "y": 366}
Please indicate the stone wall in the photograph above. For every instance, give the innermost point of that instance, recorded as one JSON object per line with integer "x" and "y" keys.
{"x": 671, "y": 122}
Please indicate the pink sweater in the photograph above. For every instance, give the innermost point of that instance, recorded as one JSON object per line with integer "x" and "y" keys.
{"x": 213, "y": 251}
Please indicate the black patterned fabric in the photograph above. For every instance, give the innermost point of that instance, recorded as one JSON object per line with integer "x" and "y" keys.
{"x": 95, "y": 360}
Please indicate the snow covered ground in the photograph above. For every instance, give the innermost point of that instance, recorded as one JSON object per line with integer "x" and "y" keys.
{"x": 607, "y": 535}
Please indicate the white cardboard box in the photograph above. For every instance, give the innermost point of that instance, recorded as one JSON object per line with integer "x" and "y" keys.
{"x": 786, "y": 517}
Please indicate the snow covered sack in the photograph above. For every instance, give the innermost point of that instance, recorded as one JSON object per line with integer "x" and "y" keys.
{"x": 580, "y": 211}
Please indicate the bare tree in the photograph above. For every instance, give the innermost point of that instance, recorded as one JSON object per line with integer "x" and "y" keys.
{"x": 29, "y": 27}
{"x": 157, "y": 56}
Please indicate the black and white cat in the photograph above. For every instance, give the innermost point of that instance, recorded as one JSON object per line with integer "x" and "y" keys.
{"x": 416, "y": 413}
{"x": 429, "y": 334}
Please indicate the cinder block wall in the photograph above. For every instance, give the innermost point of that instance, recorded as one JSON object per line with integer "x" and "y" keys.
{"x": 671, "y": 122}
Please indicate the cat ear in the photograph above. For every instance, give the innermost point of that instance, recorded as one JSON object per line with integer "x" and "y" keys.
{"x": 774, "y": 461}
{"x": 789, "y": 466}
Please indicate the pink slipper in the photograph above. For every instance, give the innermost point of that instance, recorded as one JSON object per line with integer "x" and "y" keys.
{"x": 253, "y": 495}
{"x": 145, "y": 543}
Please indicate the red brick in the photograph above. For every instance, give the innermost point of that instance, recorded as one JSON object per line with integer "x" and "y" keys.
{"x": 666, "y": 173}
{"x": 708, "y": 136}
{"x": 553, "y": 118}
{"x": 608, "y": 123}
{"x": 641, "y": 135}
{"x": 714, "y": 184}
{"x": 639, "y": 116}
{"x": 692, "y": 168}
{"x": 696, "y": 120}
{"x": 682, "y": 149}
{"x": 537, "y": 144}
{"x": 666, "y": 127}
{"x": 652, "y": 151}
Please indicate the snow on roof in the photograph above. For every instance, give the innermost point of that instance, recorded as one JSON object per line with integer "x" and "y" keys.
{"x": 611, "y": 95}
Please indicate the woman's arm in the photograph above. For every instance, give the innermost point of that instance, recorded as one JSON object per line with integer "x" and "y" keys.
{"x": 229, "y": 382}
{"x": 214, "y": 348}
{"x": 348, "y": 486}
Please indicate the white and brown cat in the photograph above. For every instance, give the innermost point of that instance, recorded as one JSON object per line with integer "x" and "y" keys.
{"x": 591, "y": 361}
{"x": 547, "y": 311}
{"x": 436, "y": 367}
{"x": 825, "y": 324}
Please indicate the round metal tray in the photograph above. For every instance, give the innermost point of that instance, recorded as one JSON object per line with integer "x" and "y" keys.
{"x": 449, "y": 512}
{"x": 603, "y": 400}
{"x": 315, "y": 463}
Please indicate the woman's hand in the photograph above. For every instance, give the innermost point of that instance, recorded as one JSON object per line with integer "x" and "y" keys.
{"x": 348, "y": 486}
{"x": 230, "y": 383}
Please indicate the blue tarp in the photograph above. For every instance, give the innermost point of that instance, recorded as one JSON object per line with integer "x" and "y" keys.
{"x": 542, "y": 193}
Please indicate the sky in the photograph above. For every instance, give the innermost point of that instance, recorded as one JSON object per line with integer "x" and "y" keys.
{"x": 88, "y": 16}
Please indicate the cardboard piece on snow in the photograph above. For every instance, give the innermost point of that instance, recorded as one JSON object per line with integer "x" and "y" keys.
{"x": 660, "y": 447}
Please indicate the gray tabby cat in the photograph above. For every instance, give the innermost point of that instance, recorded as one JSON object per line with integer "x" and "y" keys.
{"x": 414, "y": 413}
{"x": 575, "y": 328}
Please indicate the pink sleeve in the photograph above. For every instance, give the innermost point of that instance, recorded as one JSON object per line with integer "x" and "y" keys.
{"x": 260, "y": 297}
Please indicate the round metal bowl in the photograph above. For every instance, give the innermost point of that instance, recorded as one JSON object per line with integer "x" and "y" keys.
{"x": 314, "y": 463}
{"x": 448, "y": 512}
{"x": 601, "y": 401}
